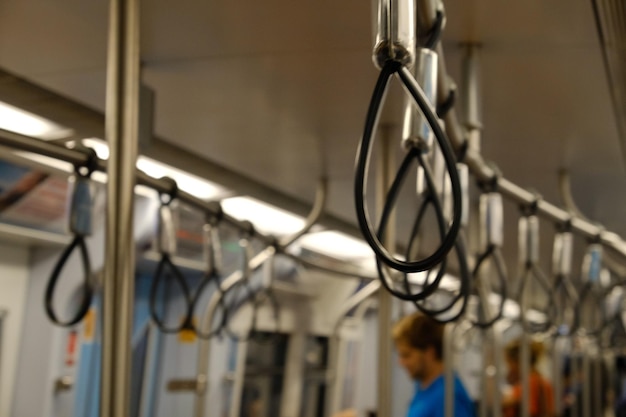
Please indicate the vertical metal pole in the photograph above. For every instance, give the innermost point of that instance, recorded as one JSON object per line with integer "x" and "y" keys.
{"x": 472, "y": 89}
{"x": 498, "y": 359}
{"x": 491, "y": 401}
{"x": 240, "y": 373}
{"x": 492, "y": 361}
{"x": 340, "y": 371}
{"x": 385, "y": 172}
{"x": 332, "y": 374}
{"x": 598, "y": 384}
{"x": 293, "y": 380}
{"x": 122, "y": 114}
{"x": 608, "y": 363}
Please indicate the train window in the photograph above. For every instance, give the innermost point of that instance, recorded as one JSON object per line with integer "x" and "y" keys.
{"x": 264, "y": 374}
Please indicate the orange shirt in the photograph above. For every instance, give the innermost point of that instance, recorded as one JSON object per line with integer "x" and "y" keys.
{"x": 541, "y": 398}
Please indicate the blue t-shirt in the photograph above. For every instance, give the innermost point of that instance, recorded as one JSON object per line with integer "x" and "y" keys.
{"x": 430, "y": 402}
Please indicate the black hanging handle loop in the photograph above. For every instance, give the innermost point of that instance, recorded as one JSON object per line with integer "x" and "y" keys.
{"x": 430, "y": 199}
{"x": 255, "y": 298}
{"x": 462, "y": 151}
{"x": 591, "y": 292}
{"x": 80, "y": 226}
{"x": 434, "y": 34}
{"x": 571, "y": 297}
{"x": 167, "y": 247}
{"x": 462, "y": 296}
{"x": 244, "y": 285}
{"x": 262, "y": 297}
{"x": 161, "y": 276}
{"x": 532, "y": 270}
{"x": 563, "y": 289}
{"x": 444, "y": 107}
{"x": 88, "y": 284}
{"x": 363, "y": 159}
{"x": 492, "y": 252}
{"x": 248, "y": 297}
{"x": 212, "y": 273}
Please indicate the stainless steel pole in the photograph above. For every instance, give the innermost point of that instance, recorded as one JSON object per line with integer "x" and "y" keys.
{"x": 240, "y": 374}
{"x": 336, "y": 343}
{"x": 385, "y": 174}
{"x": 608, "y": 363}
{"x": 333, "y": 401}
{"x": 497, "y": 370}
{"x": 598, "y": 388}
{"x": 121, "y": 122}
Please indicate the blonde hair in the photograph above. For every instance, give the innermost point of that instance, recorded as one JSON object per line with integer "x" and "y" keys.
{"x": 419, "y": 332}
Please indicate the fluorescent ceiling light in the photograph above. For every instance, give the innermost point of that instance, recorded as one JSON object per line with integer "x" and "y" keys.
{"x": 265, "y": 217}
{"x": 25, "y": 123}
{"x": 337, "y": 245}
{"x": 59, "y": 165}
{"x": 189, "y": 183}
{"x": 194, "y": 185}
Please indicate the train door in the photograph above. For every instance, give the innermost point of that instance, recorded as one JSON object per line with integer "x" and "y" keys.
{"x": 315, "y": 376}
{"x": 264, "y": 375}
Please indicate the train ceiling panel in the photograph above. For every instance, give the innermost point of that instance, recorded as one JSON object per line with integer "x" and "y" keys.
{"x": 278, "y": 90}
{"x": 611, "y": 21}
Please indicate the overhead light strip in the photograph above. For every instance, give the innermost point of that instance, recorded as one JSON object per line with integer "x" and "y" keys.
{"x": 25, "y": 123}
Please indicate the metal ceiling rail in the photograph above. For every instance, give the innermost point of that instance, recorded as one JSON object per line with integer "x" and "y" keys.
{"x": 79, "y": 157}
{"x": 484, "y": 172}
{"x": 89, "y": 123}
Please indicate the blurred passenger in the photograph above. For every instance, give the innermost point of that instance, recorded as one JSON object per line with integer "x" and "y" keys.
{"x": 541, "y": 393}
{"x": 419, "y": 342}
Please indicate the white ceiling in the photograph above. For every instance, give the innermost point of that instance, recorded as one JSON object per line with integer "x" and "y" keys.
{"x": 278, "y": 90}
